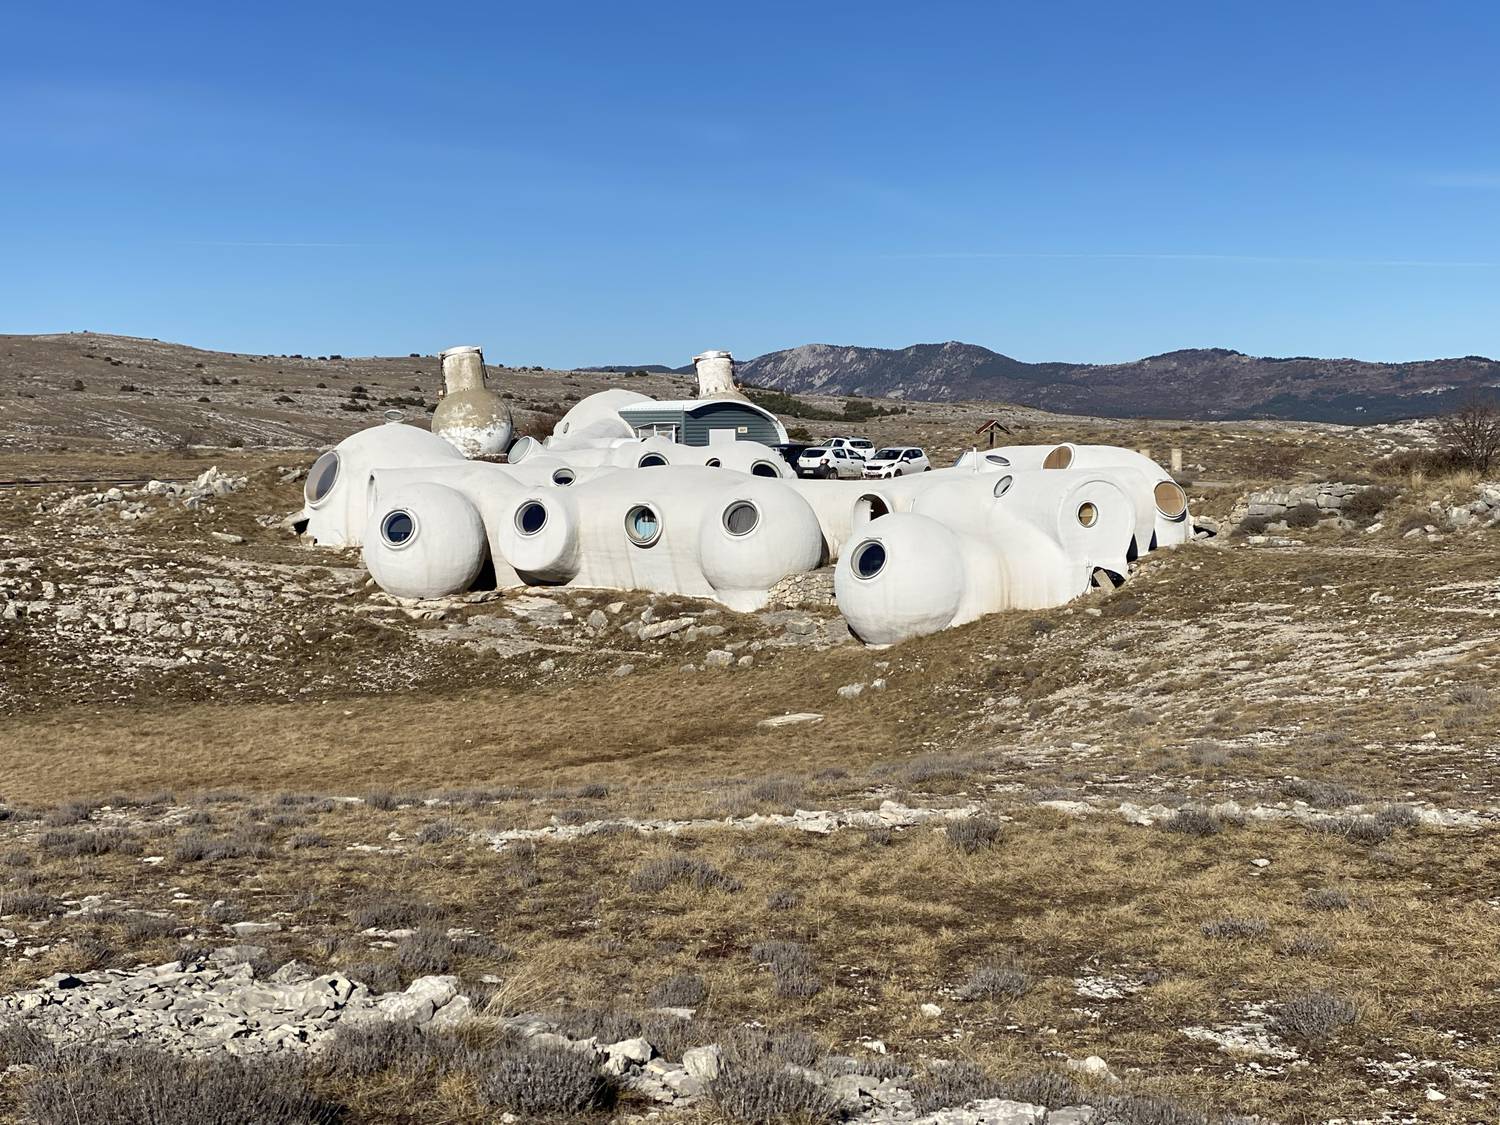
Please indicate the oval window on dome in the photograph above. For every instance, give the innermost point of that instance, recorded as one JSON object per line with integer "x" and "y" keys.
{"x": 1088, "y": 514}
{"x": 764, "y": 469}
{"x": 563, "y": 477}
{"x": 642, "y": 525}
{"x": 1171, "y": 501}
{"x": 651, "y": 461}
{"x": 1002, "y": 486}
{"x": 321, "y": 478}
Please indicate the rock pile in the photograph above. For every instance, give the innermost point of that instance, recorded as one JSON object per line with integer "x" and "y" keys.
{"x": 131, "y": 503}
{"x": 208, "y": 1005}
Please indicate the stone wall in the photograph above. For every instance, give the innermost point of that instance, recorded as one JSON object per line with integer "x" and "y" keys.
{"x": 814, "y": 588}
{"x": 1330, "y": 496}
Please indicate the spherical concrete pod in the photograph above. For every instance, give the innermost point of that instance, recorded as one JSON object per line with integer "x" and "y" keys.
{"x": 904, "y": 577}
{"x": 538, "y": 536}
{"x": 595, "y": 420}
{"x": 424, "y": 541}
{"x": 336, "y": 492}
{"x": 756, "y": 534}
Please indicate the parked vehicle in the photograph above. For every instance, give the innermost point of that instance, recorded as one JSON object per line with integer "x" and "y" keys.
{"x": 791, "y": 451}
{"x": 825, "y": 461}
{"x": 897, "y": 461}
{"x": 860, "y": 447}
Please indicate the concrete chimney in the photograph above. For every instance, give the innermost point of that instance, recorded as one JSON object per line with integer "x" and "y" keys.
{"x": 716, "y": 375}
{"x": 471, "y": 417}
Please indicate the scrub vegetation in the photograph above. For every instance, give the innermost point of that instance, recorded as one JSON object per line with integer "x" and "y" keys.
{"x": 1228, "y": 829}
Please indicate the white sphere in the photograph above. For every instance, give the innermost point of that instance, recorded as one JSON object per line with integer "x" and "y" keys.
{"x": 424, "y": 541}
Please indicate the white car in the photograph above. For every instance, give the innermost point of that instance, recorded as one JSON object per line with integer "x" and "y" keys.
{"x": 860, "y": 447}
{"x": 897, "y": 461}
{"x": 829, "y": 461}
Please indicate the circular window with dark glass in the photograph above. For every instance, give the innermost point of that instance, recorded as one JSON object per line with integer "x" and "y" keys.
{"x": 398, "y": 528}
{"x": 869, "y": 559}
{"x": 531, "y": 517}
{"x": 763, "y": 469}
{"x": 651, "y": 461}
{"x": 563, "y": 477}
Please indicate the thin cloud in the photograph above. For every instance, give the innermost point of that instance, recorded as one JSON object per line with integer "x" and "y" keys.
{"x": 298, "y": 245}
{"x": 1253, "y": 259}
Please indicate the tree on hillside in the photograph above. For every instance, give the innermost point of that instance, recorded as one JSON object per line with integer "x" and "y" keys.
{"x": 1472, "y": 434}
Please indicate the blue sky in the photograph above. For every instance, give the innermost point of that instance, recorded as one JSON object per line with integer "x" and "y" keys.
{"x": 577, "y": 183}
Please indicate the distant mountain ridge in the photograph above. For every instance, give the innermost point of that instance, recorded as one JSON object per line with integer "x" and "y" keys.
{"x": 1191, "y": 383}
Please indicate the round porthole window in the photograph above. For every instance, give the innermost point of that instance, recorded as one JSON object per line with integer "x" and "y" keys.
{"x": 869, "y": 559}
{"x": 741, "y": 517}
{"x": 1060, "y": 458}
{"x": 1002, "y": 486}
{"x": 531, "y": 517}
{"x": 713, "y": 463}
{"x": 642, "y": 525}
{"x": 521, "y": 450}
{"x": 398, "y": 528}
{"x": 321, "y": 478}
{"x": 1171, "y": 501}
{"x": 651, "y": 461}
{"x": 763, "y": 469}
{"x": 563, "y": 477}
{"x": 1088, "y": 514}
{"x": 996, "y": 459}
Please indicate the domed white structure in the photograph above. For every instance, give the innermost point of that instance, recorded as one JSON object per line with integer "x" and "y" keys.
{"x": 612, "y": 499}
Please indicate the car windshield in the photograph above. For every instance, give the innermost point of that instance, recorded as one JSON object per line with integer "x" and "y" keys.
{"x": 887, "y": 454}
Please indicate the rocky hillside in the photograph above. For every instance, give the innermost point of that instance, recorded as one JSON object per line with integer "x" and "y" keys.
{"x": 1193, "y": 383}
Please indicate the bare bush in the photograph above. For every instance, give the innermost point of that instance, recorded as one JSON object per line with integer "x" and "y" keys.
{"x": 792, "y": 968}
{"x": 1471, "y": 434}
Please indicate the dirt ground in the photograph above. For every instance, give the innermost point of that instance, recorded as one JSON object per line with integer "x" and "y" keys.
{"x": 1263, "y": 769}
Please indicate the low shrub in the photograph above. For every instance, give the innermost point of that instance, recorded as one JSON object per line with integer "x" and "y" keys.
{"x": 759, "y": 1094}
{"x": 995, "y": 982}
{"x": 1312, "y": 1016}
{"x": 973, "y": 833}
{"x": 133, "y": 1086}
{"x": 955, "y": 1085}
{"x": 657, "y": 875}
{"x": 390, "y": 911}
{"x": 1190, "y": 820}
{"x": 1303, "y": 516}
{"x": 1234, "y": 928}
{"x": 546, "y": 1084}
{"x": 1327, "y": 794}
{"x": 685, "y": 990}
